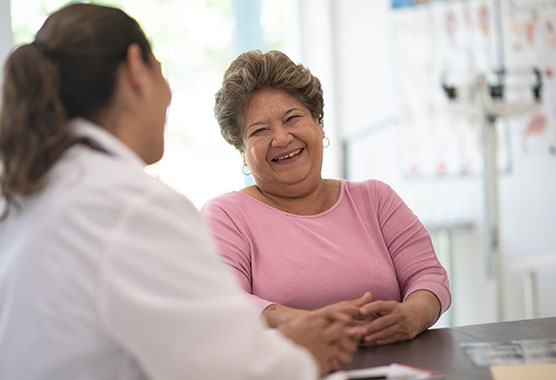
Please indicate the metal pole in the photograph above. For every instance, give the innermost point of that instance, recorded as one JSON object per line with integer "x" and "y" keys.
{"x": 491, "y": 209}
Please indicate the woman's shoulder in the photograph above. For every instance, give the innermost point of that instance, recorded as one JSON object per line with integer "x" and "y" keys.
{"x": 368, "y": 187}
{"x": 231, "y": 202}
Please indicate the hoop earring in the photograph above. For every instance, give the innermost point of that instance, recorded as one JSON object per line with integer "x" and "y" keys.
{"x": 325, "y": 142}
{"x": 245, "y": 173}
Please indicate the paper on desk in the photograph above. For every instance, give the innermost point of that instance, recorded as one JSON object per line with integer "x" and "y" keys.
{"x": 392, "y": 371}
{"x": 524, "y": 371}
{"x": 525, "y": 351}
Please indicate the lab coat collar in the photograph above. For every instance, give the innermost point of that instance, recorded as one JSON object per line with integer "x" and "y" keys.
{"x": 85, "y": 128}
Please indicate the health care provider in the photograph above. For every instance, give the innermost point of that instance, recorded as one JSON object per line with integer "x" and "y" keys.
{"x": 105, "y": 272}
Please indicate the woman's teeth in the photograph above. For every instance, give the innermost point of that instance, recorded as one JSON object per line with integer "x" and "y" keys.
{"x": 287, "y": 155}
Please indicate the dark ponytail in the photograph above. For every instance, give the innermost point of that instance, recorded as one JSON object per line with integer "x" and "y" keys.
{"x": 70, "y": 70}
{"x": 32, "y": 123}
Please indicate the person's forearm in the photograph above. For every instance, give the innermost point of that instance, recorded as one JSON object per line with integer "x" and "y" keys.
{"x": 275, "y": 315}
{"x": 426, "y": 307}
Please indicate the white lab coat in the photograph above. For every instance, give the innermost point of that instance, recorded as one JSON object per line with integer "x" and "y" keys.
{"x": 109, "y": 274}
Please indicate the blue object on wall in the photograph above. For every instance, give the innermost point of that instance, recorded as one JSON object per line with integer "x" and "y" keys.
{"x": 248, "y": 25}
{"x": 402, "y": 3}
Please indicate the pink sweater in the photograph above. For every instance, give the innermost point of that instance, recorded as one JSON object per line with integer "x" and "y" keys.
{"x": 368, "y": 240}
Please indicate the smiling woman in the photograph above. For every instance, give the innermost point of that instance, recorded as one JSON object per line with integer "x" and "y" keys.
{"x": 282, "y": 145}
{"x": 299, "y": 242}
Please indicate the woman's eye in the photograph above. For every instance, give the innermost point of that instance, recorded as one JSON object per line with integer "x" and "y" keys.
{"x": 292, "y": 117}
{"x": 257, "y": 131}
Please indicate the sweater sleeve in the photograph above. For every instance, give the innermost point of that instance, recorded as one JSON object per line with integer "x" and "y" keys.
{"x": 234, "y": 247}
{"x": 410, "y": 246}
{"x": 165, "y": 297}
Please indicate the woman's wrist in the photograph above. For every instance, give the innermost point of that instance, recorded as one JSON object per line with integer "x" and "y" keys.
{"x": 275, "y": 315}
{"x": 426, "y": 307}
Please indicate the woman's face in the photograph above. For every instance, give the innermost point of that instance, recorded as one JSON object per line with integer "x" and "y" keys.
{"x": 282, "y": 143}
{"x": 160, "y": 100}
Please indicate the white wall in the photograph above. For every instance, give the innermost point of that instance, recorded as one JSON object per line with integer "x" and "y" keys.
{"x": 6, "y": 37}
{"x": 317, "y": 52}
{"x": 367, "y": 113}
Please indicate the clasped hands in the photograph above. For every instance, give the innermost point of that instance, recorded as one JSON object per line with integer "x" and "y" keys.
{"x": 333, "y": 333}
{"x": 326, "y": 335}
{"x": 380, "y": 322}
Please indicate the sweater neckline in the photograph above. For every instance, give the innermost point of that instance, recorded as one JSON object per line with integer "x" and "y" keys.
{"x": 321, "y": 214}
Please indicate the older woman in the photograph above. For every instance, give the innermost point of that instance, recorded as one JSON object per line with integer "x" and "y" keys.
{"x": 298, "y": 242}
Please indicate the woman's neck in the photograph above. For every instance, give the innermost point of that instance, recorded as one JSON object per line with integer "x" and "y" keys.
{"x": 325, "y": 194}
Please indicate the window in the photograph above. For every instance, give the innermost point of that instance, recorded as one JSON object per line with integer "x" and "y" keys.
{"x": 195, "y": 40}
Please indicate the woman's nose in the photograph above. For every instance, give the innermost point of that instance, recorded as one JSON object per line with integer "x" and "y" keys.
{"x": 281, "y": 136}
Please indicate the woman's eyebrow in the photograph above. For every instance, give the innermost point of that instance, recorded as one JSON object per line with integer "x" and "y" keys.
{"x": 291, "y": 110}
{"x": 257, "y": 123}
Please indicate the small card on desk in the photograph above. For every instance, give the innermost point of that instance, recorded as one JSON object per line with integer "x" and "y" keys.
{"x": 524, "y": 371}
{"x": 525, "y": 351}
{"x": 392, "y": 371}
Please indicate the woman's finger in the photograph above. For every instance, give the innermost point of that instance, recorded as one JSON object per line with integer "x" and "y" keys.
{"x": 333, "y": 364}
{"x": 382, "y": 334}
{"x": 363, "y": 300}
{"x": 344, "y": 357}
{"x": 393, "y": 339}
{"x": 377, "y": 307}
{"x": 334, "y": 313}
{"x": 381, "y": 323}
{"x": 349, "y": 343}
{"x": 333, "y": 332}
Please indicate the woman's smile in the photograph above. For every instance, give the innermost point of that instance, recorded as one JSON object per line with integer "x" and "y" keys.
{"x": 288, "y": 157}
{"x": 282, "y": 143}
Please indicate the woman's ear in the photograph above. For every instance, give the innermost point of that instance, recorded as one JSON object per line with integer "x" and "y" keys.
{"x": 136, "y": 70}
{"x": 317, "y": 122}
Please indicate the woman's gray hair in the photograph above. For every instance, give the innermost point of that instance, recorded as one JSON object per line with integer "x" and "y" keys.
{"x": 252, "y": 71}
